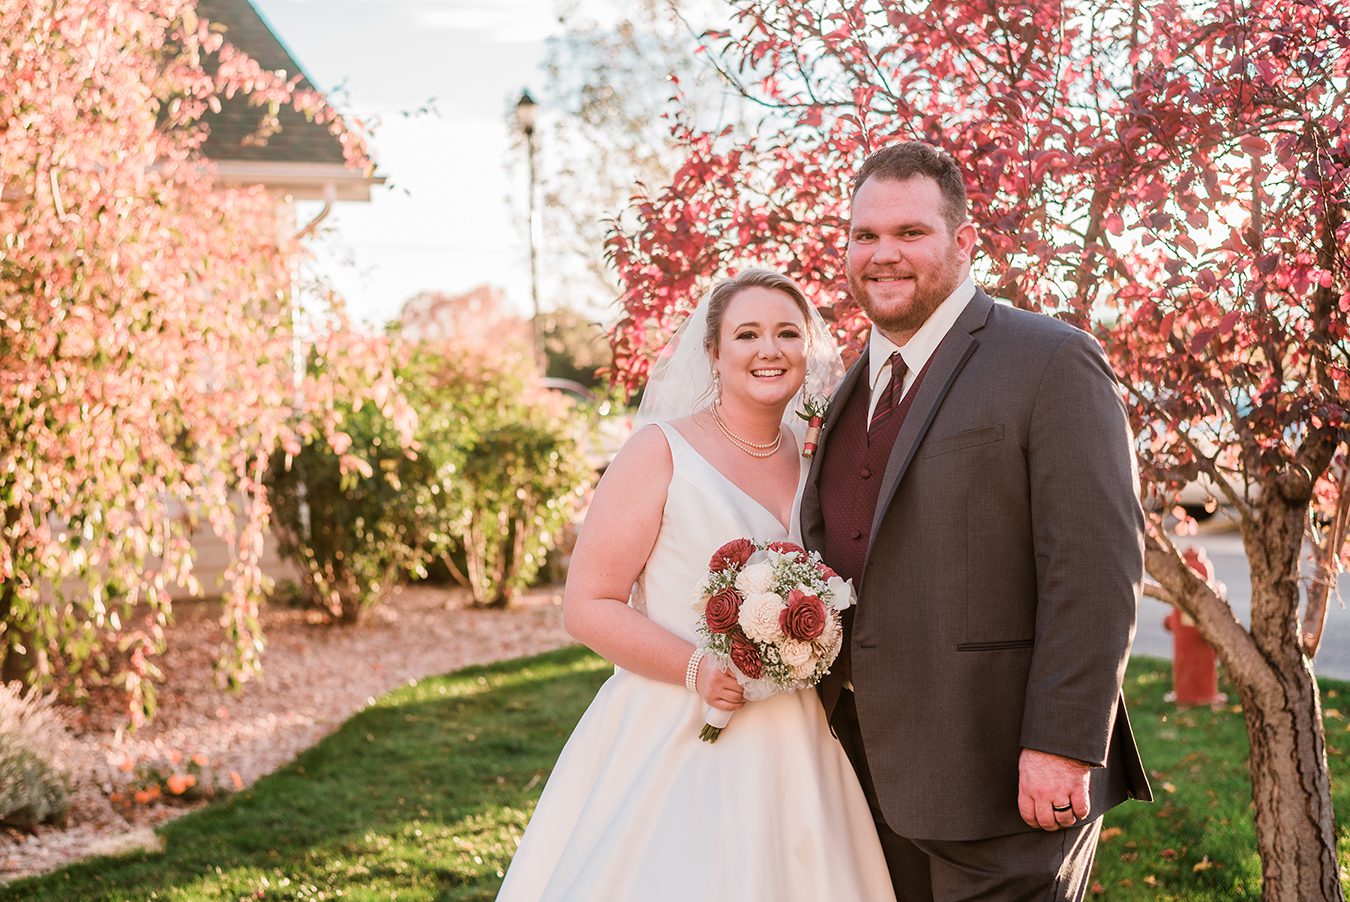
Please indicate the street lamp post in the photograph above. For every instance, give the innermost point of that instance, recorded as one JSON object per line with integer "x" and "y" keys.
{"x": 526, "y": 108}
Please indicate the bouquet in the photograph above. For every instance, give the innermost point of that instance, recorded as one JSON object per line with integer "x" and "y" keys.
{"x": 769, "y": 613}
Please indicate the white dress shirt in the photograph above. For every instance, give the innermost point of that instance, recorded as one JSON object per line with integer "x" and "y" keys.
{"x": 918, "y": 349}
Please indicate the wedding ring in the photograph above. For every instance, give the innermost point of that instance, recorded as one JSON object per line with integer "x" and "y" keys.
{"x": 1056, "y": 808}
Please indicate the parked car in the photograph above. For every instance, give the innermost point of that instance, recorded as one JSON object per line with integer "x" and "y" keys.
{"x": 602, "y": 424}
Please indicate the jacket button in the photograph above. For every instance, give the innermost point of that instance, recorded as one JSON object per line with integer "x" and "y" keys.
{"x": 866, "y": 473}
{"x": 857, "y": 534}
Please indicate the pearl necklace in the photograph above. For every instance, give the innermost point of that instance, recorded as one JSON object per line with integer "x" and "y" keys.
{"x": 754, "y": 449}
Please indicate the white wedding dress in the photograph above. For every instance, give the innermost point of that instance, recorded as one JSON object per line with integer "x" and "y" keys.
{"x": 638, "y": 808}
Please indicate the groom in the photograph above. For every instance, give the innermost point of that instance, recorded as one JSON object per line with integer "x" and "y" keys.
{"x": 976, "y": 482}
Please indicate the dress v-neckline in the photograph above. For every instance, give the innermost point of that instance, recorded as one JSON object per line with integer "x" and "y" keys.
{"x": 731, "y": 482}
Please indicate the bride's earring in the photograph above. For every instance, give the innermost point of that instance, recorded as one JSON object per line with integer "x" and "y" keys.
{"x": 717, "y": 387}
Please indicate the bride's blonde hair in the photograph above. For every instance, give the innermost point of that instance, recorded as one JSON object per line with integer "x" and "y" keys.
{"x": 722, "y": 293}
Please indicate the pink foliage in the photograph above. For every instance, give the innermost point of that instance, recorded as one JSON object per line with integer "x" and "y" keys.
{"x": 1171, "y": 177}
{"x": 146, "y": 355}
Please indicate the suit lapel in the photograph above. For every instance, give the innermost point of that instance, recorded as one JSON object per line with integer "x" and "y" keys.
{"x": 950, "y": 356}
{"x": 812, "y": 523}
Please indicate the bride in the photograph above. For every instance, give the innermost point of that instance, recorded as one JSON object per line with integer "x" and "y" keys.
{"x": 637, "y": 807}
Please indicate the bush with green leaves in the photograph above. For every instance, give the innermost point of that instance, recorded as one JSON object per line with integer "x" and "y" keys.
{"x": 345, "y": 511}
{"x": 509, "y": 472}
{"x": 33, "y": 787}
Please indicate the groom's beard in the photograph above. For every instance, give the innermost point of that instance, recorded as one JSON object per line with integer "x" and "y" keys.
{"x": 905, "y": 317}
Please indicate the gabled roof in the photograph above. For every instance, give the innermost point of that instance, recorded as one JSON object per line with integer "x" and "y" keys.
{"x": 302, "y": 157}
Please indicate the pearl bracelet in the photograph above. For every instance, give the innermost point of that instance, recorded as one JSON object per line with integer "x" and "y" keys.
{"x": 691, "y": 670}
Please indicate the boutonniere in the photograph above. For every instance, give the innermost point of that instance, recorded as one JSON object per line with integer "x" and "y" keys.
{"x": 813, "y": 411}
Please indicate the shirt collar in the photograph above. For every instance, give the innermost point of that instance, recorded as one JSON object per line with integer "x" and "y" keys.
{"x": 922, "y": 343}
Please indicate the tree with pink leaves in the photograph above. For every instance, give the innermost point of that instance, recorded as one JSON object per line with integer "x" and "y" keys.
{"x": 146, "y": 337}
{"x": 1172, "y": 177}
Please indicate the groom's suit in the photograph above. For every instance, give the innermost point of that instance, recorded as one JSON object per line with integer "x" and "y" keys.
{"x": 1000, "y": 578}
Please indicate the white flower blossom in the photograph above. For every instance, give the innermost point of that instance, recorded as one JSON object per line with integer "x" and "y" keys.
{"x": 755, "y": 579}
{"x": 805, "y": 670}
{"x": 841, "y": 592}
{"x": 700, "y": 600}
{"x": 759, "y": 616}
{"x": 831, "y": 639}
{"x": 796, "y": 653}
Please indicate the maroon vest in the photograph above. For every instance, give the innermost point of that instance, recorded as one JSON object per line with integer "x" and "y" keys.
{"x": 850, "y": 485}
{"x": 851, "y": 474}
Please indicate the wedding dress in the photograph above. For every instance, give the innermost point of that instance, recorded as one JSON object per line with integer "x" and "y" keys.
{"x": 638, "y": 808}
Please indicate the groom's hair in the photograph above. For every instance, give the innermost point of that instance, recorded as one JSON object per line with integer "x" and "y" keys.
{"x": 907, "y": 159}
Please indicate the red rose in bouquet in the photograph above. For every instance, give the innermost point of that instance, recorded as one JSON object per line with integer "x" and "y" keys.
{"x": 804, "y": 617}
{"x": 746, "y": 658}
{"x": 723, "y": 610}
{"x": 786, "y": 548}
{"x": 733, "y": 554}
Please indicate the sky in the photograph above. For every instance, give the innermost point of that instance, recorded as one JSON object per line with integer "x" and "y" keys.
{"x": 451, "y": 216}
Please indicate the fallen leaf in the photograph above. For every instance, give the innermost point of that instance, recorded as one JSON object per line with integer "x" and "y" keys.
{"x": 181, "y": 783}
{"x": 1110, "y": 833}
{"x": 1204, "y": 864}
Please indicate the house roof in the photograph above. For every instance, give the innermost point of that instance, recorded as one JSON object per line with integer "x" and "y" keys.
{"x": 302, "y": 158}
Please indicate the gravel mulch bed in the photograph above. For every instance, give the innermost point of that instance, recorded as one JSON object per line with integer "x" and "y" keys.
{"x": 314, "y": 677}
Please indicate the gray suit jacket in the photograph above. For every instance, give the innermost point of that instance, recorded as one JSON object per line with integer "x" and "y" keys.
{"x": 1002, "y": 582}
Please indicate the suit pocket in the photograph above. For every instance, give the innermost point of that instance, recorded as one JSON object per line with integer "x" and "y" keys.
{"x": 971, "y": 438}
{"x": 995, "y": 646}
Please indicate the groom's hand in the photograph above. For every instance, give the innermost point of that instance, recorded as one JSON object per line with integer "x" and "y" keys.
{"x": 1047, "y": 782}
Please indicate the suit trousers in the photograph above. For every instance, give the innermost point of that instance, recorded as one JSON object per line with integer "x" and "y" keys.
{"x": 1022, "y": 867}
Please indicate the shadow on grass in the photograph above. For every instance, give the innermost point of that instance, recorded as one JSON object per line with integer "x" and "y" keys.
{"x": 424, "y": 795}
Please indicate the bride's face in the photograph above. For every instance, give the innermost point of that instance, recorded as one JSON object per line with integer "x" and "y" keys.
{"x": 761, "y": 347}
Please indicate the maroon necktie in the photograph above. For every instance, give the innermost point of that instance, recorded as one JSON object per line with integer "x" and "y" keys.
{"x": 890, "y": 399}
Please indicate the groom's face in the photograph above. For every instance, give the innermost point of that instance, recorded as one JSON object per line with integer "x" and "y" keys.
{"x": 904, "y": 259}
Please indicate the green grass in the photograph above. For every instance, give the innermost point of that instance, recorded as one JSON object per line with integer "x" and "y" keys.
{"x": 423, "y": 795}
{"x": 419, "y": 796}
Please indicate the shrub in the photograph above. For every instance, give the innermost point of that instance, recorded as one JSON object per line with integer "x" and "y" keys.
{"x": 345, "y": 511}
{"x": 507, "y": 468}
{"x": 33, "y": 788}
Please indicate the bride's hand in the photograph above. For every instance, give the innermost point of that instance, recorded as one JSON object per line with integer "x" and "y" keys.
{"x": 719, "y": 688}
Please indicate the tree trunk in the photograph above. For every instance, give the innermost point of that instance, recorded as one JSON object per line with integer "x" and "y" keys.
{"x": 14, "y": 665}
{"x": 1291, "y": 785}
{"x": 1291, "y": 791}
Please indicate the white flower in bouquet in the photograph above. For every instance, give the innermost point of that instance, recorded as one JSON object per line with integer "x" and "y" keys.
{"x": 804, "y": 671}
{"x": 760, "y": 615}
{"x": 755, "y": 579}
{"x": 841, "y": 592}
{"x": 795, "y": 653}
{"x": 830, "y": 640}
{"x": 700, "y": 600}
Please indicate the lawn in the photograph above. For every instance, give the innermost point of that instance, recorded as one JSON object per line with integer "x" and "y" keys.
{"x": 423, "y": 795}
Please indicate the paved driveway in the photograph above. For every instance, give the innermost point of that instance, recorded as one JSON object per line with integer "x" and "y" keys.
{"x": 1224, "y": 547}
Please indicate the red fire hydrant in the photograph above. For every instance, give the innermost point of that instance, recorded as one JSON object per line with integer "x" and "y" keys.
{"x": 1195, "y": 667}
